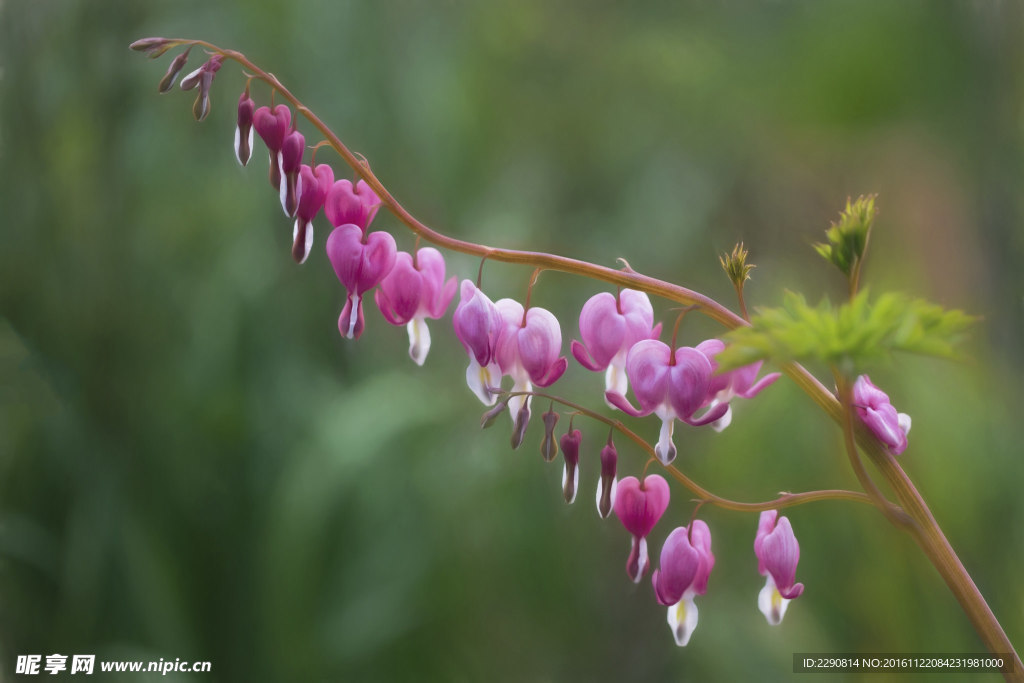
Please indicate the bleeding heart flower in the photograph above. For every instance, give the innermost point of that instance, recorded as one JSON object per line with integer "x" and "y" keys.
{"x": 527, "y": 351}
{"x": 670, "y": 385}
{"x": 639, "y": 505}
{"x": 347, "y": 204}
{"x": 777, "y": 555}
{"x": 685, "y": 565}
{"x": 880, "y": 416}
{"x": 413, "y": 291}
{"x": 314, "y": 184}
{"x": 477, "y": 325}
{"x": 360, "y": 262}
{"x": 273, "y": 126}
{"x": 726, "y": 386}
{"x": 610, "y": 326}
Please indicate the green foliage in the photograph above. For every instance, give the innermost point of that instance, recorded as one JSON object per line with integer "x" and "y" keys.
{"x": 735, "y": 265}
{"x": 857, "y": 332}
{"x": 848, "y": 239}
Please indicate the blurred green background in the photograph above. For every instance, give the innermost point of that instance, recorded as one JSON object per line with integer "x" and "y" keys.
{"x": 194, "y": 465}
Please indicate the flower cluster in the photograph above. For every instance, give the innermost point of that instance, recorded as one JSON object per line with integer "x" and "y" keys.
{"x": 618, "y": 335}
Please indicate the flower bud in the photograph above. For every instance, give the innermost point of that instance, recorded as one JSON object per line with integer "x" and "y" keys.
{"x": 548, "y": 447}
{"x": 154, "y": 47}
{"x": 167, "y": 82}
{"x": 570, "y": 443}
{"x": 244, "y": 128}
{"x": 522, "y": 421}
{"x": 491, "y": 415}
{"x": 291, "y": 162}
{"x": 606, "y": 487}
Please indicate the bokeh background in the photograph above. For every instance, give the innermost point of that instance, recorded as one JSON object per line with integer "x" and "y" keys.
{"x": 194, "y": 465}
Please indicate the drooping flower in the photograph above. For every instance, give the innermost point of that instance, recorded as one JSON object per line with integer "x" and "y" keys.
{"x": 477, "y": 325}
{"x": 244, "y": 127}
{"x": 880, "y": 416}
{"x": 685, "y": 565}
{"x": 570, "y": 443}
{"x": 351, "y": 204}
{"x": 292, "y": 149}
{"x": 527, "y": 351}
{"x": 314, "y": 184}
{"x": 202, "y": 77}
{"x": 610, "y": 326}
{"x": 726, "y": 386}
{"x": 608, "y": 484}
{"x": 272, "y": 126}
{"x": 672, "y": 386}
{"x": 413, "y": 291}
{"x": 360, "y": 261}
{"x": 639, "y": 506}
{"x": 777, "y": 553}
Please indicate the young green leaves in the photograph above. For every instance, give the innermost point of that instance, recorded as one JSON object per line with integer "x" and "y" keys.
{"x": 857, "y": 331}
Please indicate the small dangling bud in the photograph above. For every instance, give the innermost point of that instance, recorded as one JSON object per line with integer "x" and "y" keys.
{"x": 548, "y": 447}
{"x": 202, "y": 77}
{"x": 291, "y": 162}
{"x": 606, "y": 487}
{"x": 491, "y": 415}
{"x": 167, "y": 82}
{"x": 570, "y": 443}
{"x": 244, "y": 127}
{"x": 521, "y": 423}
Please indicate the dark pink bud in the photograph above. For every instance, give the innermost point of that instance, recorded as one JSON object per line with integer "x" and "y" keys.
{"x": 243, "y": 128}
{"x": 272, "y": 126}
{"x": 548, "y": 447}
{"x": 291, "y": 162}
{"x": 570, "y": 443}
{"x": 167, "y": 82}
{"x": 313, "y": 185}
{"x": 606, "y": 488}
{"x": 492, "y": 414}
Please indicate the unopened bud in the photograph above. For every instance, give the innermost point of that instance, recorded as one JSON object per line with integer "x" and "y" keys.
{"x": 848, "y": 238}
{"x": 521, "y": 423}
{"x": 570, "y": 443}
{"x": 491, "y": 415}
{"x": 244, "y": 128}
{"x": 735, "y": 265}
{"x": 548, "y": 447}
{"x": 291, "y": 161}
{"x": 154, "y": 47}
{"x": 167, "y": 82}
{"x": 606, "y": 487}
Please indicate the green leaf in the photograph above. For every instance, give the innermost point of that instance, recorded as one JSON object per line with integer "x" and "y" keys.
{"x": 856, "y": 332}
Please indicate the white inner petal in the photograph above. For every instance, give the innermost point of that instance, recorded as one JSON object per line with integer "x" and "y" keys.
{"x": 419, "y": 339}
{"x": 682, "y": 619}
{"x": 575, "y": 481}
{"x": 353, "y": 316}
{"x": 771, "y": 603}
{"x": 478, "y": 379}
{"x": 722, "y": 422}
{"x": 666, "y": 449}
{"x": 615, "y": 379}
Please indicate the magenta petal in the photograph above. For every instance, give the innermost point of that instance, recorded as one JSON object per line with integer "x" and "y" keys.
{"x": 540, "y": 341}
{"x": 640, "y": 506}
{"x": 378, "y": 259}
{"x": 623, "y": 404}
{"x": 647, "y": 367}
{"x": 346, "y": 203}
{"x": 707, "y": 418}
{"x": 579, "y": 352}
{"x": 345, "y": 252}
{"x": 477, "y": 323}
{"x": 603, "y": 328}
{"x": 554, "y": 372}
{"x": 401, "y": 291}
{"x": 760, "y": 385}
{"x": 688, "y": 381}
{"x": 678, "y": 567}
{"x": 272, "y": 125}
